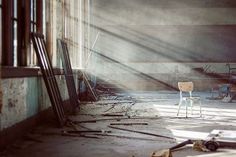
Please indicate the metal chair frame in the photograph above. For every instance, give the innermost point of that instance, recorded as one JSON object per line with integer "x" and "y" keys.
{"x": 187, "y": 87}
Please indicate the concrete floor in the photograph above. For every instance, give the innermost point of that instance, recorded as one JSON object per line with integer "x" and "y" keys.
{"x": 158, "y": 109}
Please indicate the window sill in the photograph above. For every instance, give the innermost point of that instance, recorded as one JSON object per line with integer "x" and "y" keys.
{"x": 18, "y": 72}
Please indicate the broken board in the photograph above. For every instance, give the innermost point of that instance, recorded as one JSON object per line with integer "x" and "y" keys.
{"x": 64, "y": 53}
{"x": 93, "y": 93}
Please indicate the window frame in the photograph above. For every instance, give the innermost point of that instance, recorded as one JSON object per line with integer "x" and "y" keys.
{"x": 1, "y": 32}
{"x": 8, "y": 63}
{"x": 7, "y": 51}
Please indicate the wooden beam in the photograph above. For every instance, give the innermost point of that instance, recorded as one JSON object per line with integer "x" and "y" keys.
{"x": 7, "y": 32}
{"x": 141, "y": 132}
{"x": 20, "y": 31}
{"x": 19, "y": 72}
{"x": 129, "y": 123}
{"x": 25, "y": 53}
{"x": 23, "y": 32}
{"x": 39, "y": 16}
{"x": 49, "y": 27}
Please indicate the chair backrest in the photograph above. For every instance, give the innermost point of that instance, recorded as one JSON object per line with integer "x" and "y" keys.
{"x": 185, "y": 86}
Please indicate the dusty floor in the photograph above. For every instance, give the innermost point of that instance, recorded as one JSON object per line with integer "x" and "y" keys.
{"x": 158, "y": 109}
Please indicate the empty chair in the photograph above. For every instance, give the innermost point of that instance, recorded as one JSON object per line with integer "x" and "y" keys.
{"x": 187, "y": 87}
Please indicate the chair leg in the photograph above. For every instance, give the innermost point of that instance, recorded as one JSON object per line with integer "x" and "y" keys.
{"x": 191, "y": 103}
{"x": 180, "y": 103}
{"x": 200, "y": 105}
{"x": 186, "y": 106}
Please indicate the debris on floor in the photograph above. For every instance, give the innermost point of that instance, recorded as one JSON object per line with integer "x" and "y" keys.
{"x": 162, "y": 153}
{"x": 134, "y": 124}
{"x": 199, "y": 146}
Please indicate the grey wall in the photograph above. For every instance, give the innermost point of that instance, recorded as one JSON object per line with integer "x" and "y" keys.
{"x": 25, "y": 97}
{"x": 170, "y": 30}
{"x": 161, "y": 36}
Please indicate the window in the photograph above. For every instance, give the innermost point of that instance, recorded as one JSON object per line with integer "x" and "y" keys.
{"x": 20, "y": 19}
{"x": 73, "y": 30}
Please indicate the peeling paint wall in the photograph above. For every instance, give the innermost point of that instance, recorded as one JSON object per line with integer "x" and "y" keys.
{"x": 32, "y": 96}
{"x": 14, "y": 102}
{"x": 25, "y": 97}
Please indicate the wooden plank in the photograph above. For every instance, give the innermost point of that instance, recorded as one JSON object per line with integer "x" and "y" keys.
{"x": 115, "y": 119}
{"x": 78, "y": 135}
{"x": 86, "y": 81}
{"x": 141, "y": 132}
{"x": 87, "y": 131}
{"x": 64, "y": 53}
{"x": 126, "y": 137}
{"x": 113, "y": 114}
{"x": 129, "y": 123}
